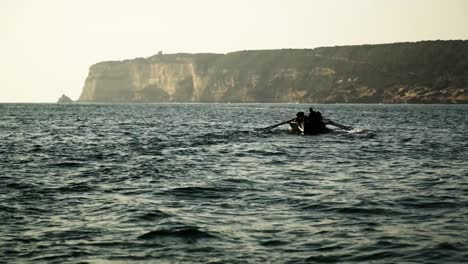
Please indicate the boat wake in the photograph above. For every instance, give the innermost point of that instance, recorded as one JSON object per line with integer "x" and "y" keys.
{"x": 358, "y": 131}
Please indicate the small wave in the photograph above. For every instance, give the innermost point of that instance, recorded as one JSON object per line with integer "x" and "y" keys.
{"x": 450, "y": 246}
{"x": 325, "y": 258}
{"x": 314, "y": 207}
{"x": 62, "y": 257}
{"x": 366, "y": 211}
{"x": 369, "y": 256}
{"x": 188, "y": 233}
{"x": 216, "y": 138}
{"x": 444, "y": 252}
{"x": 331, "y": 248}
{"x": 154, "y": 215}
{"x": 7, "y": 209}
{"x": 24, "y": 240}
{"x": 72, "y": 234}
{"x": 264, "y": 153}
{"x": 273, "y": 243}
{"x": 36, "y": 148}
{"x": 67, "y": 164}
{"x": 429, "y": 203}
{"x": 407, "y": 139}
{"x": 21, "y": 186}
{"x": 75, "y": 187}
{"x": 200, "y": 192}
{"x": 355, "y": 209}
{"x": 238, "y": 181}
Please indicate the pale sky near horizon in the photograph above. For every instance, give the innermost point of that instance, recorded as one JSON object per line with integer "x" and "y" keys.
{"x": 47, "y": 46}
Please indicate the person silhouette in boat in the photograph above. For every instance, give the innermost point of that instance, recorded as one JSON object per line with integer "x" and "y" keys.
{"x": 317, "y": 114}
{"x": 313, "y": 123}
{"x": 297, "y": 125}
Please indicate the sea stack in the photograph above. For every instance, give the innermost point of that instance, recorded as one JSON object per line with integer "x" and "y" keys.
{"x": 64, "y": 100}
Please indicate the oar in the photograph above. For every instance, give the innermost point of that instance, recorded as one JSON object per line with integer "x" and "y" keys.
{"x": 273, "y": 126}
{"x": 329, "y": 122}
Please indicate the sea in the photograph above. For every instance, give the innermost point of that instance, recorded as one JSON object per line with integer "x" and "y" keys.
{"x": 196, "y": 183}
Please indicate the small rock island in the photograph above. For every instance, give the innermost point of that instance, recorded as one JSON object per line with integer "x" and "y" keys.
{"x": 64, "y": 100}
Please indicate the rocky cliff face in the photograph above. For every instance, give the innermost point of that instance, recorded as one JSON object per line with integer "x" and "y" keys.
{"x": 422, "y": 72}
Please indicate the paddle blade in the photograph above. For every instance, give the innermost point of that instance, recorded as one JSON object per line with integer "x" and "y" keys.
{"x": 271, "y": 127}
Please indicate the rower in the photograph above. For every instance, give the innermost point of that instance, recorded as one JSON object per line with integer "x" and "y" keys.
{"x": 317, "y": 114}
{"x": 314, "y": 123}
{"x": 297, "y": 125}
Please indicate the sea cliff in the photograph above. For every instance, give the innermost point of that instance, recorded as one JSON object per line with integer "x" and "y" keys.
{"x": 420, "y": 72}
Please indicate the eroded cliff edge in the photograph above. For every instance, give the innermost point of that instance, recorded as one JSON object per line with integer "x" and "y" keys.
{"x": 421, "y": 72}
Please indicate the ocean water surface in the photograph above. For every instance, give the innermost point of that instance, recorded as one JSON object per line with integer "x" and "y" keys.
{"x": 194, "y": 183}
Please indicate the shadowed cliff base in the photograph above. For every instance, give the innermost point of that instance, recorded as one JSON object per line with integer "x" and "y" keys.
{"x": 420, "y": 72}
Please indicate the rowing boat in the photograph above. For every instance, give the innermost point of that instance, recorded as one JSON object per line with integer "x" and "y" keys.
{"x": 295, "y": 128}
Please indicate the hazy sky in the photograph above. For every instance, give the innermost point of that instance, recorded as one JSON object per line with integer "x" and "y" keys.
{"x": 47, "y": 46}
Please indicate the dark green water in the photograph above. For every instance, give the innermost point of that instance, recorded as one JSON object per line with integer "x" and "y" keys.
{"x": 193, "y": 183}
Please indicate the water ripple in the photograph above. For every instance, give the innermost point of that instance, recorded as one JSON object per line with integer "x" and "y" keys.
{"x": 194, "y": 183}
